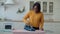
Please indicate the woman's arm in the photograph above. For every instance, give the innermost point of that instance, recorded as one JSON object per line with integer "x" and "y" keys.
{"x": 26, "y": 17}
{"x": 42, "y": 22}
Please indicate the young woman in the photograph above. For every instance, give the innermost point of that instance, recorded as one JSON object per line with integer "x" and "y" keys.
{"x": 36, "y": 17}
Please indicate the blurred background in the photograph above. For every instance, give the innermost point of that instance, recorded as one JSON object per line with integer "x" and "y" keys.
{"x": 13, "y": 11}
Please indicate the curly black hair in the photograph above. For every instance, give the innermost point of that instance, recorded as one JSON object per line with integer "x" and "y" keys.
{"x": 38, "y": 5}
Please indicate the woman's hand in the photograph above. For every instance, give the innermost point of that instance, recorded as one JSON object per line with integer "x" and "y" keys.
{"x": 27, "y": 22}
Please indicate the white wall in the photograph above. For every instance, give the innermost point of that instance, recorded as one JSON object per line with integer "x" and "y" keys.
{"x": 56, "y": 10}
{"x": 10, "y": 12}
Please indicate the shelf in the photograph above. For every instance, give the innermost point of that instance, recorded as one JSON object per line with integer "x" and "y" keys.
{"x": 48, "y": 13}
{"x": 5, "y": 30}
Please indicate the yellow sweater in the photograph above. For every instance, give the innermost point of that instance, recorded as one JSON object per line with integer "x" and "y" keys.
{"x": 35, "y": 19}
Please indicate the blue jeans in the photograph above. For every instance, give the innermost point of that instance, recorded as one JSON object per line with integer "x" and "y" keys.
{"x": 29, "y": 28}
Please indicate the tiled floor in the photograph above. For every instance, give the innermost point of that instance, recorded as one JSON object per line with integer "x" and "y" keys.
{"x": 50, "y": 28}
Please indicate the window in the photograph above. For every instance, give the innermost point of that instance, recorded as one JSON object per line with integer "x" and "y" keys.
{"x": 31, "y": 4}
{"x": 50, "y": 7}
{"x": 47, "y": 7}
{"x": 39, "y": 2}
{"x": 44, "y": 7}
